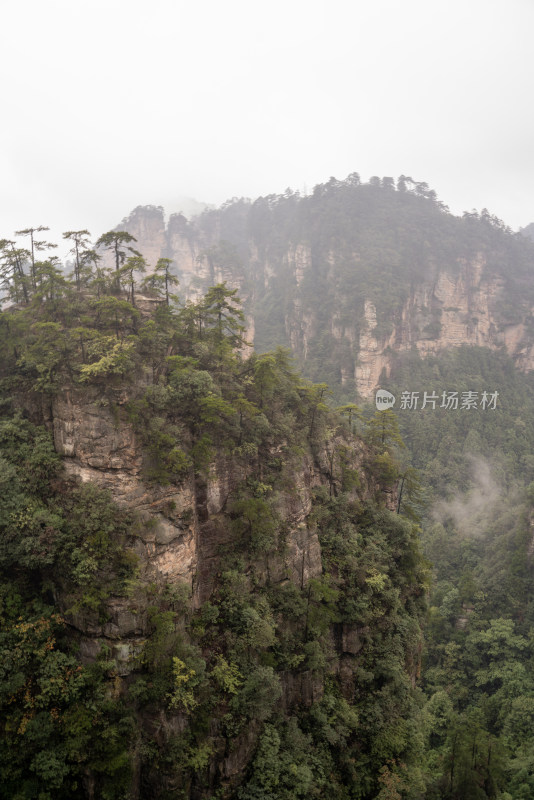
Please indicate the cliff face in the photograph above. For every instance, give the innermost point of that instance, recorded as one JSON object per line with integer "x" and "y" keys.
{"x": 155, "y": 239}
{"x": 247, "y": 583}
{"x": 451, "y": 305}
{"x": 197, "y": 261}
{"x": 178, "y": 542}
{"x": 454, "y": 309}
{"x": 181, "y": 531}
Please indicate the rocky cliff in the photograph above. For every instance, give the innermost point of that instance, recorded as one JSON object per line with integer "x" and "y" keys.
{"x": 218, "y": 554}
{"x": 454, "y": 309}
{"x": 180, "y": 539}
{"x": 181, "y": 534}
{"x": 351, "y": 296}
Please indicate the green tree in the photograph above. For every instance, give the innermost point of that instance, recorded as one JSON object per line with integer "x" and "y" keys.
{"x": 134, "y": 263}
{"x": 12, "y": 271}
{"x": 35, "y": 246}
{"x": 223, "y": 313}
{"x": 80, "y": 240}
{"x": 352, "y": 411}
{"x": 92, "y": 274}
{"x": 314, "y": 395}
{"x": 115, "y": 241}
{"x": 163, "y": 277}
{"x": 50, "y": 283}
{"x": 383, "y": 431}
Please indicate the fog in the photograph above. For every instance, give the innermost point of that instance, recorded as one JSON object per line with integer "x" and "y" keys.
{"x": 472, "y": 511}
{"x": 110, "y": 105}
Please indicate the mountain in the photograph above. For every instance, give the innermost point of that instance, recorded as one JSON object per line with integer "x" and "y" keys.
{"x": 354, "y": 273}
{"x": 211, "y": 579}
{"x": 205, "y": 586}
{"x": 528, "y": 231}
{"x": 377, "y": 284}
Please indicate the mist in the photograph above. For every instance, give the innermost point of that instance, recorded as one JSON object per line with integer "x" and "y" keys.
{"x": 473, "y": 511}
{"x": 126, "y": 107}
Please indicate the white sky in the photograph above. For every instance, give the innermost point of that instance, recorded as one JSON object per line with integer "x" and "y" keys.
{"x": 110, "y": 105}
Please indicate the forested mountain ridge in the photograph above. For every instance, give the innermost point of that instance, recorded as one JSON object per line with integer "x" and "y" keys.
{"x": 206, "y": 589}
{"x": 210, "y": 586}
{"x": 380, "y": 284}
{"x": 354, "y": 272}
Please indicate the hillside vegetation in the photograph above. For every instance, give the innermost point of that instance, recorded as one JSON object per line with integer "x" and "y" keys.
{"x": 280, "y": 682}
{"x": 292, "y": 660}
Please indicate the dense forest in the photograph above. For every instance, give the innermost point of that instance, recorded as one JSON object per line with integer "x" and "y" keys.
{"x": 273, "y": 677}
{"x": 477, "y": 471}
{"x": 273, "y": 672}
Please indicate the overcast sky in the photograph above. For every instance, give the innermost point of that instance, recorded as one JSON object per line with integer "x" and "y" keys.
{"x": 110, "y": 105}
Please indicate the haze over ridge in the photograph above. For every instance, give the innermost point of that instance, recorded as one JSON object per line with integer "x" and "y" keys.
{"x": 212, "y": 102}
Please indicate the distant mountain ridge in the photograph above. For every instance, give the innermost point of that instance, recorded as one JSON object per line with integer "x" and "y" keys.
{"x": 355, "y": 273}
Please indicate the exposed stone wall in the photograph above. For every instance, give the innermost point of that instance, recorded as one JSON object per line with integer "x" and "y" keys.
{"x": 182, "y": 527}
{"x": 464, "y": 304}
{"x": 459, "y": 302}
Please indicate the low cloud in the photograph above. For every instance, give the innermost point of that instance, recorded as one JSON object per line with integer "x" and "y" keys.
{"x": 472, "y": 511}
